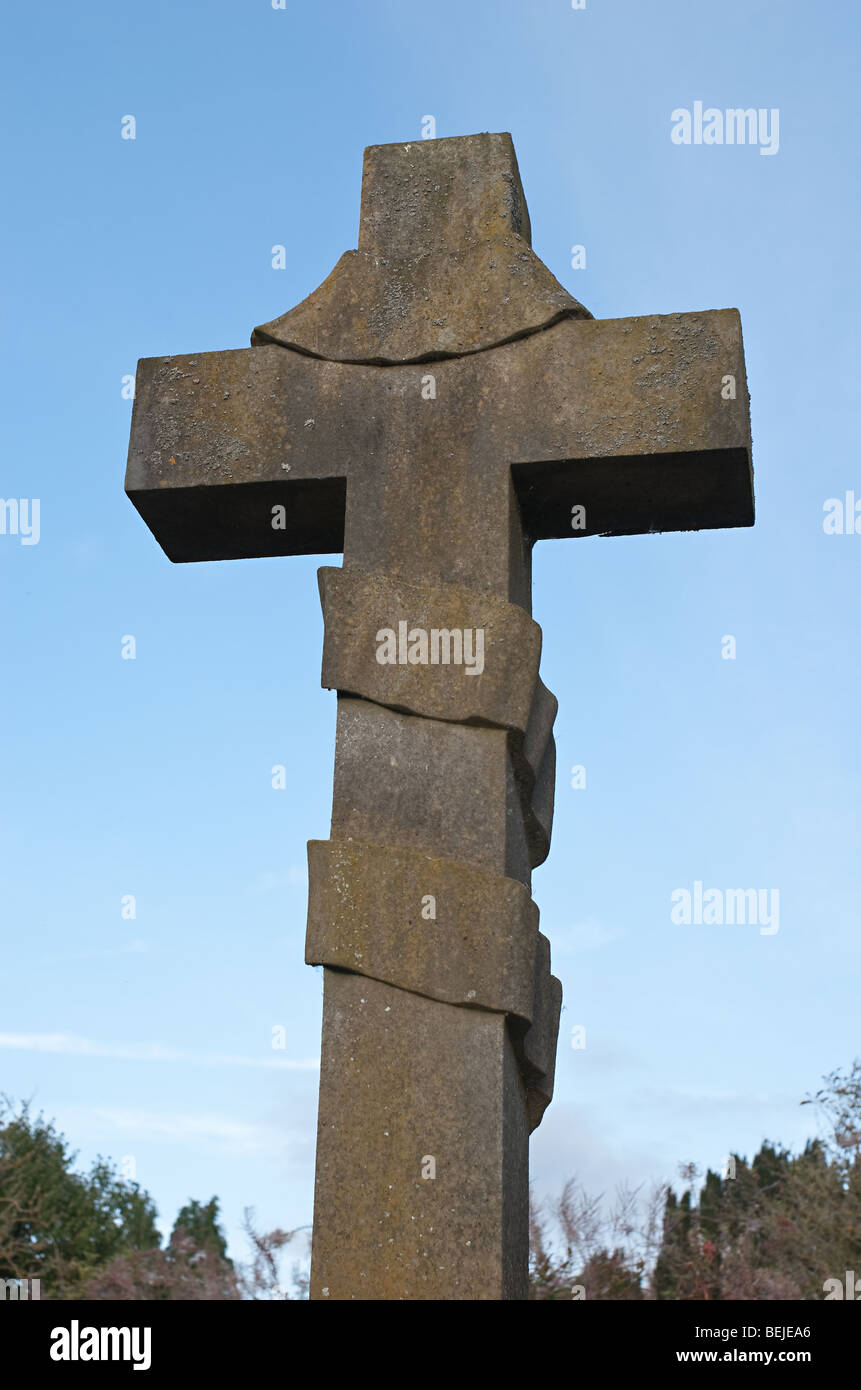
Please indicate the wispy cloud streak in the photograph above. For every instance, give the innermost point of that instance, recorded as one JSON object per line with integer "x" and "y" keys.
{"x": 69, "y": 1044}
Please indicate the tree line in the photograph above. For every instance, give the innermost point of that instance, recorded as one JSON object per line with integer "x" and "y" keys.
{"x": 777, "y": 1227}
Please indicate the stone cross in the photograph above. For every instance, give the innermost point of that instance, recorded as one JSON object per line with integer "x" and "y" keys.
{"x": 438, "y": 405}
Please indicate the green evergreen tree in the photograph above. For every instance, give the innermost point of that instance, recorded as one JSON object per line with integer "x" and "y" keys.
{"x": 57, "y": 1225}
{"x": 198, "y": 1223}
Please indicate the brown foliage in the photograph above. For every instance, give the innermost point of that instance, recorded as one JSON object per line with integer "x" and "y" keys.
{"x": 180, "y": 1272}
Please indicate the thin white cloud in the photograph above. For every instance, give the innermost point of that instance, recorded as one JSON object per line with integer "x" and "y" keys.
{"x": 131, "y": 948}
{"x": 183, "y": 1128}
{"x": 754, "y": 1101}
{"x": 582, "y": 936}
{"x": 69, "y": 1044}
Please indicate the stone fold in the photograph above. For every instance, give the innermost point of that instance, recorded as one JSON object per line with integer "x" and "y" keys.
{"x": 435, "y": 926}
{"x": 382, "y": 311}
{"x": 497, "y": 690}
{"x": 442, "y": 929}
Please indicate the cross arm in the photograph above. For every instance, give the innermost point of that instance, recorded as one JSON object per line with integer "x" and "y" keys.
{"x": 220, "y": 438}
{"x": 644, "y": 421}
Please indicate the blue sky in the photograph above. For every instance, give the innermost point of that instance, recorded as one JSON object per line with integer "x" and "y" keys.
{"x": 151, "y": 1038}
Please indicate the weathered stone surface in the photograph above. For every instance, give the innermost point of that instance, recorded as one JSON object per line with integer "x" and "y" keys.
{"x": 448, "y": 789}
{"x": 381, "y": 310}
{"x": 466, "y": 193}
{"x": 400, "y": 297}
{"x": 220, "y": 438}
{"x": 403, "y": 1079}
{"x": 538, "y": 805}
{"x": 539, "y": 1041}
{"x": 358, "y": 607}
{"x": 644, "y": 393}
{"x": 437, "y": 927}
{"x": 539, "y": 730}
